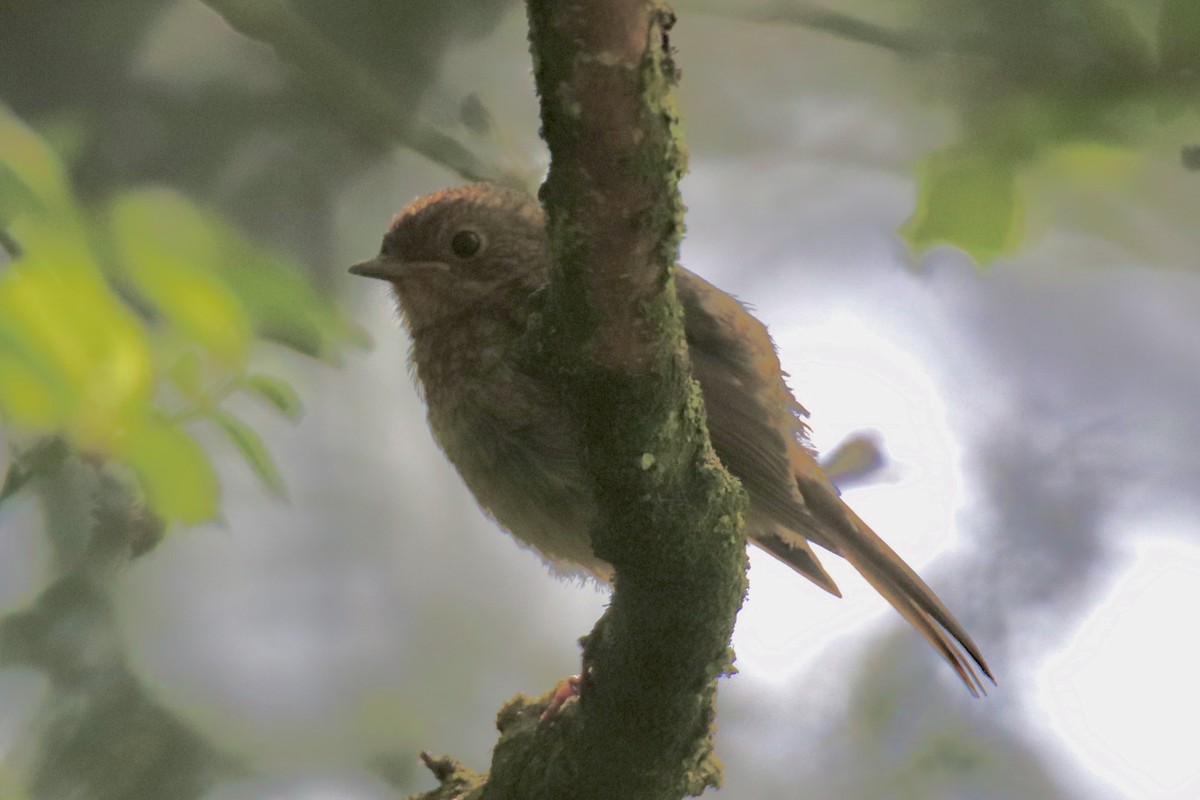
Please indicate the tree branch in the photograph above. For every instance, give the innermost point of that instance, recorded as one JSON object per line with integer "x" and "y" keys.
{"x": 611, "y": 337}
{"x": 836, "y": 23}
{"x": 335, "y": 77}
{"x": 9, "y": 245}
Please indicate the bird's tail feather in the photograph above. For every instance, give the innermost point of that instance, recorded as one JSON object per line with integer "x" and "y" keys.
{"x": 854, "y": 540}
{"x": 793, "y": 549}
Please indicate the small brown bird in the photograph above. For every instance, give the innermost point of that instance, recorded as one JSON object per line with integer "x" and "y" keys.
{"x": 465, "y": 263}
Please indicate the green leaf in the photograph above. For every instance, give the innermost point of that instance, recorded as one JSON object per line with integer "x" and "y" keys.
{"x": 277, "y": 392}
{"x": 179, "y": 481}
{"x": 967, "y": 198}
{"x": 32, "y": 162}
{"x": 16, "y": 198}
{"x": 1179, "y": 40}
{"x": 253, "y": 449}
{"x": 30, "y": 403}
{"x": 34, "y": 394}
{"x": 216, "y": 285}
{"x": 70, "y": 359}
{"x": 170, "y": 251}
{"x": 283, "y": 304}
{"x": 187, "y": 374}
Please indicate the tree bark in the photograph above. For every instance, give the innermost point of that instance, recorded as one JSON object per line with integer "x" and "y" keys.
{"x": 611, "y": 335}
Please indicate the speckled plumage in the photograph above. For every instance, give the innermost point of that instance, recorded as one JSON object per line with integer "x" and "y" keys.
{"x": 513, "y": 443}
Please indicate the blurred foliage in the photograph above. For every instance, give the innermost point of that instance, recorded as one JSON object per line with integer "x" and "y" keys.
{"x": 128, "y": 313}
{"x": 1042, "y": 83}
{"x": 269, "y": 147}
{"x": 1102, "y": 86}
{"x": 119, "y": 327}
{"x": 9, "y": 787}
{"x": 100, "y": 733}
{"x": 136, "y": 186}
{"x": 969, "y": 200}
{"x": 856, "y": 460}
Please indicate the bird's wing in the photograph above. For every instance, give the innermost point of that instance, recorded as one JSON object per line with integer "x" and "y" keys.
{"x": 758, "y": 431}
{"x": 753, "y": 420}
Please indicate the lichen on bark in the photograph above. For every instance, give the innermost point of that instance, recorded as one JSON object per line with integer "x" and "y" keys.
{"x": 611, "y": 336}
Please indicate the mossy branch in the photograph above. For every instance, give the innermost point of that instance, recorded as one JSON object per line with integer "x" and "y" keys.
{"x": 611, "y": 336}
{"x": 670, "y": 515}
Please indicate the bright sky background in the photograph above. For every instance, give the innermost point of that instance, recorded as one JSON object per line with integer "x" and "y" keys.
{"x": 850, "y": 373}
{"x": 1118, "y": 697}
{"x": 1121, "y": 694}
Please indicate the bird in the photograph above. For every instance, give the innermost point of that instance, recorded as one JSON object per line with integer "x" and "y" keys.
{"x": 467, "y": 266}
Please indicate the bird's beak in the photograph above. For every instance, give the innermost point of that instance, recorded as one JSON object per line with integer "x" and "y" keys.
{"x": 386, "y": 269}
{"x": 394, "y": 269}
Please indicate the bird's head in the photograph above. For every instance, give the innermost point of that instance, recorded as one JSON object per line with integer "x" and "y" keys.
{"x": 454, "y": 251}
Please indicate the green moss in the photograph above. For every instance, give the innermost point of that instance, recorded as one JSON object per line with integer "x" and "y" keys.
{"x": 670, "y": 515}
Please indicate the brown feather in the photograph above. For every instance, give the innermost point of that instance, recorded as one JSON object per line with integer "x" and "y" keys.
{"x": 514, "y": 442}
{"x": 851, "y": 538}
{"x": 759, "y": 433}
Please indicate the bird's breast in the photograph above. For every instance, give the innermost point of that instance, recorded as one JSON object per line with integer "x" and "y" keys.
{"x": 511, "y": 440}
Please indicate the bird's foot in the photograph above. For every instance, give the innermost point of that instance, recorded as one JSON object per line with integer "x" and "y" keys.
{"x": 566, "y": 689}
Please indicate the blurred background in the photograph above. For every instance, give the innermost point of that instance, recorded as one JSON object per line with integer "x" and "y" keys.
{"x": 971, "y": 226}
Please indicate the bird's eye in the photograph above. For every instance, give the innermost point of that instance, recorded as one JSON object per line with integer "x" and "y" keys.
{"x": 465, "y": 243}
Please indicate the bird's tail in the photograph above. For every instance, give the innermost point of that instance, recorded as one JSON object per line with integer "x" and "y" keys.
{"x": 852, "y": 539}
